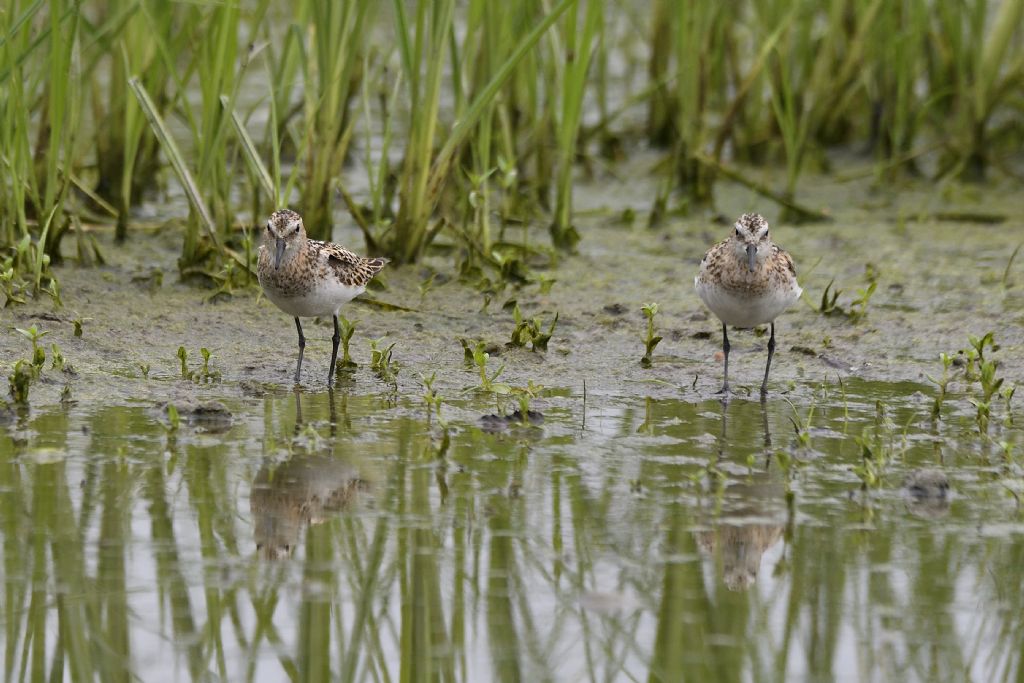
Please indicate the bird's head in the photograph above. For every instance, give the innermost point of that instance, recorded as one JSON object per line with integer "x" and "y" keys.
{"x": 284, "y": 235}
{"x": 750, "y": 241}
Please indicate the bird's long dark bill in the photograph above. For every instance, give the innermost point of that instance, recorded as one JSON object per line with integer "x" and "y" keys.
{"x": 752, "y": 257}
{"x": 279, "y": 253}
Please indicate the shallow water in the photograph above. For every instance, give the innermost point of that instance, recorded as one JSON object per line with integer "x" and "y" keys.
{"x": 339, "y": 534}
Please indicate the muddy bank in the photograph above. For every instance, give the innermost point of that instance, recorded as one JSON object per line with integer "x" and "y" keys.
{"x": 937, "y": 280}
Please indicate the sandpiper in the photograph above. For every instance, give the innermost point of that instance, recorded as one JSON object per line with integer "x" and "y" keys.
{"x": 307, "y": 278}
{"x": 746, "y": 280}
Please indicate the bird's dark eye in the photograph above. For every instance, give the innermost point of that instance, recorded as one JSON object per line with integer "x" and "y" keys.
{"x": 268, "y": 227}
{"x": 296, "y": 230}
{"x": 737, "y": 232}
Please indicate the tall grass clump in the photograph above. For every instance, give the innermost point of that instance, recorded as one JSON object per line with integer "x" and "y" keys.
{"x": 422, "y": 46}
{"x": 127, "y": 154}
{"x": 39, "y": 108}
{"x": 694, "y": 30}
{"x": 332, "y": 71}
{"x": 470, "y": 117}
{"x": 976, "y": 68}
{"x": 424, "y": 174}
{"x": 492, "y": 152}
{"x": 577, "y": 44}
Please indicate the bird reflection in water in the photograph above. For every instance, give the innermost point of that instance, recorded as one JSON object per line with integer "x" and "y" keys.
{"x": 752, "y": 519}
{"x": 304, "y": 490}
{"x": 927, "y": 493}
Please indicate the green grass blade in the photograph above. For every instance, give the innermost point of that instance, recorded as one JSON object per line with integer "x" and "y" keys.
{"x": 252, "y": 155}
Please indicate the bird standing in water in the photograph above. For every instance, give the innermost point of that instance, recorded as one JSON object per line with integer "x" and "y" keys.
{"x": 308, "y": 278}
{"x": 746, "y": 280}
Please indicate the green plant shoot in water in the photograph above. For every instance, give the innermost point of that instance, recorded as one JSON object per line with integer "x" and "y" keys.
{"x": 33, "y": 334}
{"x": 432, "y": 397}
{"x": 943, "y": 385}
{"x": 183, "y": 358}
{"x": 651, "y": 341}
{"x": 477, "y": 357}
{"x": 380, "y": 360}
{"x": 20, "y": 380}
{"x": 530, "y": 332}
{"x": 858, "y": 309}
{"x": 347, "y": 328}
{"x": 205, "y": 373}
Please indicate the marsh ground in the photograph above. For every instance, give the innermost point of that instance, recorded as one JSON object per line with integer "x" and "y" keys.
{"x": 642, "y": 530}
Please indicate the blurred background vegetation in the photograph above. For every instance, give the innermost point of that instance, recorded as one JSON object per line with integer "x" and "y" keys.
{"x": 448, "y": 122}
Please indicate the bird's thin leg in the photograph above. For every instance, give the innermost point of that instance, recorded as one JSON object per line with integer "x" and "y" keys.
{"x": 336, "y": 339}
{"x": 768, "y": 365}
{"x": 725, "y": 349}
{"x": 302, "y": 348}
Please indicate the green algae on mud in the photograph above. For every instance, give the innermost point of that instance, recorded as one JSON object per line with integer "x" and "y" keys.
{"x": 938, "y": 281}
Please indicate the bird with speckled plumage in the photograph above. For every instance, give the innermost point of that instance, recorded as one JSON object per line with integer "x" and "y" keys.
{"x": 746, "y": 280}
{"x": 307, "y": 278}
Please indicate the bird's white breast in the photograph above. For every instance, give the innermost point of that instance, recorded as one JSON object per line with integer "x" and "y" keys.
{"x": 325, "y": 298}
{"x": 742, "y": 309}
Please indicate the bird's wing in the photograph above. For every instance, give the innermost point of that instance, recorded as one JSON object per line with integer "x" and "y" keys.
{"x": 786, "y": 259}
{"x": 351, "y": 269}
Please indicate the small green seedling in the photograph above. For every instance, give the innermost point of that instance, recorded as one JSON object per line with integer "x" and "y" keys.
{"x": 467, "y": 352}
{"x": 651, "y": 341}
{"x": 205, "y": 374}
{"x": 33, "y": 334}
{"x": 56, "y": 358}
{"x": 1007, "y": 394}
{"x": 427, "y": 285}
{"x": 872, "y": 459}
{"x": 990, "y": 385}
{"x": 347, "y": 328}
{"x": 942, "y": 383}
{"x": 858, "y": 309}
{"x": 828, "y": 300}
{"x": 380, "y": 360}
{"x": 144, "y": 368}
{"x": 802, "y": 428}
{"x": 487, "y": 380}
{"x": 524, "y": 395}
{"x": 12, "y": 288}
{"x": 20, "y": 380}
{"x": 859, "y": 306}
{"x": 544, "y": 282}
{"x": 432, "y": 397}
{"x": 183, "y": 357}
{"x": 529, "y": 331}
{"x": 54, "y": 291}
{"x": 983, "y": 370}
{"x": 979, "y": 344}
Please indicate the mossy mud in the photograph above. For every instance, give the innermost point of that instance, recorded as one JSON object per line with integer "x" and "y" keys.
{"x": 632, "y": 526}
{"x": 938, "y": 280}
